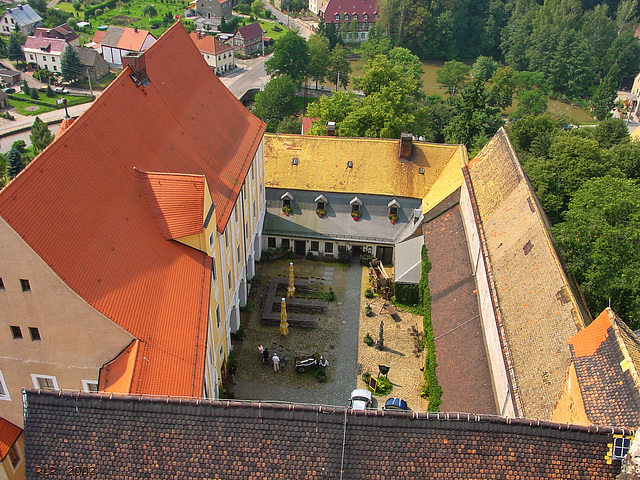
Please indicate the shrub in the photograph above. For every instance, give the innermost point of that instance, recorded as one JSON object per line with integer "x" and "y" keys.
{"x": 368, "y": 340}
{"x": 407, "y": 294}
{"x": 255, "y": 282}
{"x": 248, "y": 308}
{"x": 384, "y": 387}
{"x": 430, "y": 389}
{"x": 239, "y": 334}
{"x": 344, "y": 257}
{"x": 330, "y": 296}
{"x": 321, "y": 375}
{"x": 97, "y": 12}
{"x": 368, "y": 311}
{"x": 366, "y": 376}
{"x": 369, "y": 293}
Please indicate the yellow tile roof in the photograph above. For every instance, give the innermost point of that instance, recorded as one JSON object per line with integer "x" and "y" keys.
{"x": 322, "y": 165}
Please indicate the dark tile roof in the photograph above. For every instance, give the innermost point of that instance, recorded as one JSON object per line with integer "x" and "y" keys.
{"x": 606, "y": 372}
{"x": 132, "y": 437}
{"x": 249, "y": 32}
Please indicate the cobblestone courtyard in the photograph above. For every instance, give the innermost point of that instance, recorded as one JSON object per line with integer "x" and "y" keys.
{"x": 338, "y": 337}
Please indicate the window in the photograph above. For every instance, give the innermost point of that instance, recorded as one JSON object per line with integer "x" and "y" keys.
{"x": 4, "y": 391}
{"x": 218, "y": 315}
{"x": 211, "y": 240}
{"x": 355, "y": 16}
{"x": 238, "y": 253}
{"x": 284, "y": 244}
{"x": 55, "y": 69}
{"x": 366, "y": 16}
{"x": 375, "y": 15}
{"x": 14, "y": 457}
{"x": 89, "y": 386}
{"x": 328, "y": 247}
{"x": 31, "y": 56}
{"x": 44, "y": 59}
{"x": 320, "y": 205}
{"x": 229, "y": 279}
{"x": 16, "y": 331}
{"x": 355, "y": 208}
{"x": 271, "y": 242}
{"x": 213, "y": 269}
{"x": 44, "y": 381}
{"x": 1, "y": 284}
{"x": 346, "y": 17}
{"x": 35, "y": 334}
{"x": 620, "y": 447}
{"x": 226, "y": 239}
{"x": 26, "y": 287}
{"x": 315, "y": 246}
{"x": 235, "y": 215}
{"x": 337, "y": 17}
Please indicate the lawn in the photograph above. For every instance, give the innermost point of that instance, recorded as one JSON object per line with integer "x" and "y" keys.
{"x": 26, "y": 106}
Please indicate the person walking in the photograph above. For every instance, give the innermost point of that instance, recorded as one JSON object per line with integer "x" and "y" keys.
{"x": 276, "y": 362}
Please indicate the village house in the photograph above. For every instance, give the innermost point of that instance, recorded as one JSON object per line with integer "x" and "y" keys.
{"x": 44, "y": 53}
{"x": 12, "y": 453}
{"x": 248, "y": 39}
{"x": 95, "y": 67}
{"x": 64, "y": 32}
{"x": 352, "y": 18}
{"x": 145, "y": 254}
{"x": 22, "y": 18}
{"x": 219, "y": 56}
{"x": 10, "y": 77}
{"x": 214, "y": 8}
{"x": 115, "y": 42}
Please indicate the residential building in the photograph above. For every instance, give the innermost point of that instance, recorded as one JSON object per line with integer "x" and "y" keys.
{"x": 64, "y": 32}
{"x": 248, "y": 39}
{"x": 219, "y": 56}
{"x": 22, "y": 17}
{"x": 12, "y": 453}
{"x": 115, "y": 42}
{"x": 4, "y": 100}
{"x": 215, "y": 8}
{"x": 207, "y": 24}
{"x": 44, "y": 53}
{"x": 352, "y": 18}
{"x": 144, "y": 257}
{"x": 197, "y": 439}
{"x": 315, "y": 5}
{"x": 95, "y": 66}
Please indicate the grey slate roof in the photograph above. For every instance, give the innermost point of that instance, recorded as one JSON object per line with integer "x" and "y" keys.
{"x": 163, "y": 438}
{"x": 24, "y": 15}
{"x": 407, "y": 260}
{"x": 374, "y": 225}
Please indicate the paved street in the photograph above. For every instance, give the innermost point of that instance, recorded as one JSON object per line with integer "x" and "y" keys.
{"x": 249, "y": 74}
{"x": 288, "y": 21}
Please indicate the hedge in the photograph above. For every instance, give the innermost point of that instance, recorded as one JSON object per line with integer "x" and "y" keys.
{"x": 407, "y": 294}
{"x": 431, "y": 389}
{"x": 90, "y": 11}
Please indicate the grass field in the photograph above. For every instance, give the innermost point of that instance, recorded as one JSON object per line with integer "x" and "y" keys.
{"x": 25, "y": 106}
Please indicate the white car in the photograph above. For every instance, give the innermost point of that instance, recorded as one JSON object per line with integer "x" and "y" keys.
{"x": 360, "y": 399}
{"x": 60, "y": 90}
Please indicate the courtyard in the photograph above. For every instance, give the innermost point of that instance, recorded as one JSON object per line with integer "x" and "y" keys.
{"x": 338, "y": 337}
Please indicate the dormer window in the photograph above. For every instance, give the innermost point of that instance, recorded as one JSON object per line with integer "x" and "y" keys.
{"x": 356, "y": 205}
{"x": 365, "y": 16}
{"x": 375, "y": 15}
{"x": 321, "y": 205}
{"x": 286, "y": 198}
{"x": 346, "y": 17}
{"x": 355, "y": 16}
{"x": 337, "y": 17}
{"x": 394, "y": 208}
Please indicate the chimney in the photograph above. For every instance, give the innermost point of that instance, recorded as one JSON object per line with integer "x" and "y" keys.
{"x": 136, "y": 61}
{"x": 406, "y": 146}
{"x": 331, "y": 129}
{"x": 135, "y": 29}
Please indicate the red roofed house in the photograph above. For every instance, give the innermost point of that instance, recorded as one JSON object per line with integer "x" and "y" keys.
{"x": 248, "y": 39}
{"x": 64, "y": 32}
{"x": 44, "y": 53}
{"x": 352, "y": 18}
{"x": 12, "y": 464}
{"x": 148, "y": 223}
{"x": 118, "y": 41}
{"x": 219, "y": 56}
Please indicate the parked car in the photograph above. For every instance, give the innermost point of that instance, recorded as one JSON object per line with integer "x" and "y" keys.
{"x": 360, "y": 399}
{"x": 60, "y": 90}
{"x": 9, "y": 90}
{"x": 395, "y": 404}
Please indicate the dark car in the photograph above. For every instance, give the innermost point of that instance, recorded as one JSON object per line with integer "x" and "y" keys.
{"x": 9, "y": 90}
{"x": 395, "y": 404}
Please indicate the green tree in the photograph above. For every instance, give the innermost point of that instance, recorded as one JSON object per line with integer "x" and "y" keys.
{"x": 77, "y": 5}
{"x": 339, "y": 67}
{"x": 626, "y": 156}
{"x": 14, "y": 52}
{"x": 531, "y": 102}
{"x": 610, "y": 132}
{"x": 50, "y": 93}
{"x": 599, "y": 240}
{"x": 383, "y": 71}
{"x": 14, "y": 159}
{"x": 290, "y": 57}
{"x": 149, "y": 10}
{"x": 277, "y": 101}
{"x": 453, "y": 75}
{"x": 40, "y": 136}
{"x": 483, "y": 68}
{"x": 319, "y": 58}
{"x": 603, "y": 100}
{"x": 289, "y": 125}
{"x": 533, "y": 134}
{"x": 331, "y": 109}
{"x": 257, "y": 7}
{"x": 501, "y": 88}
{"x": 34, "y": 94}
{"x": 3, "y": 48}
{"x": 375, "y": 46}
{"x": 70, "y": 66}
{"x": 572, "y": 161}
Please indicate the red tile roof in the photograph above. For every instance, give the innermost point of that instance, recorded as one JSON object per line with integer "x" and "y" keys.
{"x": 98, "y": 36}
{"x": 133, "y": 39}
{"x": 587, "y": 341}
{"x": 177, "y": 202}
{"x": 249, "y": 32}
{"x": 103, "y": 240}
{"x": 209, "y": 44}
{"x": 333, "y": 7}
{"x": 9, "y": 433}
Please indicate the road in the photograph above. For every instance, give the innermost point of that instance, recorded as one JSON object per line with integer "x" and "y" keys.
{"x": 249, "y": 74}
{"x": 288, "y": 21}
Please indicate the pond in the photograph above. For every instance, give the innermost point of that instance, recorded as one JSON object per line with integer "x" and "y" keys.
{"x": 431, "y": 86}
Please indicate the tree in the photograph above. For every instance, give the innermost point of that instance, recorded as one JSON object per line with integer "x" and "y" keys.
{"x": 400, "y": 67}
{"x": 289, "y": 125}
{"x": 34, "y": 94}
{"x": 533, "y": 134}
{"x": 531, "y": 102}
{"x": 375, "y": 46}
{"x": 40, "y": 136}
{"x": 77, "y": 5}
{"x": 14, "y": 159}
{"x": 484, "y": 68}
{"x": 599, "y": 240}
{"x": 453, "y": 75}
{"x": 339, "y": 67}
{"x": 290, "y": 57}
{"x": 70, "y": 66}
{"x": 331, "y": 109}
{"x": 318, "y": 58}
{"x": 610, "y": 132}
{"x": 14, "y": 52}
{"x": 149, "y": 10}
{"x": 3, "y": 48}
{"x": 277, "y": 101}
{"x": 603, "y": 100}
{"x": 50, "y": 93}
{"x": 257, "y": 7}
{"x": 501, "y": 88}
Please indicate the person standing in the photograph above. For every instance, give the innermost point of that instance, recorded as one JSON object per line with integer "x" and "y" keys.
{"x": 276, "y": 362}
